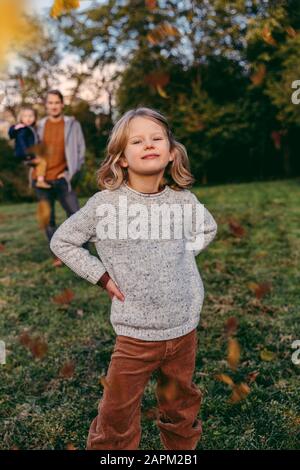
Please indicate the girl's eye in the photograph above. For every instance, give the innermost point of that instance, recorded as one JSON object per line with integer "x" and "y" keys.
{"x": 138, "y": 141}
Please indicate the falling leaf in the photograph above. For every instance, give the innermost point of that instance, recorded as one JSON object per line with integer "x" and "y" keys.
{"x": 40, "y": 149}
{"x": 234, "y": 352}
{"x": 43, "y": 213}
{"x": 25, "y": 339}
{"x": 251, "y": 377}
{"x": 65, "y": 297}
{"x": 161, "y": 32}
{"x": 167, "y": 389}
{"x": 38, "y": 347}
{"x": 267, "y": 36}
{"x": 231, "y": 326}
{"x": 70, "y": 446}
{"x": 161, "y": 92}
{"x": 63, "y": 6}
{"x": 152, "y": 414}
{"x": 260, "y": 289}
{"x": 291, "y": 32}
{"x": 276, "y": 137}
{"x": 157, "y": 78}
{"x": 258, "y": 76}
{"x": 239, "y": 392}
{"x": 104, "y": 382}
{"x": 267, "y": 356}
{"x": 236, "y": 229}
{"x": 225, "y": 378}
{"x": 18, "y": 31}
{"x": 261, "y": 254}
{"x": 67, "y": 370}
{"x": 150, "y": 4}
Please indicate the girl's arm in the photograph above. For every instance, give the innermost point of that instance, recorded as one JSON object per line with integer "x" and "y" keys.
{"x": 68, "y": 239}
{"x": 203, "y": 228}
{"x": 12, "y": 132}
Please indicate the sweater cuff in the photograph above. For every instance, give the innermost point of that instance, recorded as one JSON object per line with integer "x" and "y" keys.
{"x": 104, "y": 280}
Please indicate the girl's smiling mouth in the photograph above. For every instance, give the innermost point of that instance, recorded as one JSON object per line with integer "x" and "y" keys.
{"x": 150, "y": 156}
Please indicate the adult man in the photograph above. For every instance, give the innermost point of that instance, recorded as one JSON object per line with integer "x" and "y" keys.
{"x": 64, "y": 140}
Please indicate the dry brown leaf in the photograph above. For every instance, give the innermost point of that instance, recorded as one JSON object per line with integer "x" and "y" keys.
{"x": 239, "y": 392}
{"x": 231, "y": 326}
{"x": 234, "y": 352}
{"x": 267, "y": 36}
{"x": 151, "y": 414}
{"x": 258, "y": 77}
{"x": 70, "y": 446}
{"x": 251, "y": 377}
{"x": 260, "y": 289}
{"x": 236, "y": 229}
{"x": 43, "y": 213}
{"x": 63, "y": 6}
{"x": 267, "y": 356}
{"x": 67, "y": 370}
{"x": 103, "y": 381}
{"x": 65, "y": 297}
{"x": 226, "y": 379}
{"x": 38, "y": 347}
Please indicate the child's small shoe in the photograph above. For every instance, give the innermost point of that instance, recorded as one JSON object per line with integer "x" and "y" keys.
{"x": 43, "y": 184}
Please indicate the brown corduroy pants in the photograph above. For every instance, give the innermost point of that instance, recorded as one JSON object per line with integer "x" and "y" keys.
{"x": 118, "y": 426}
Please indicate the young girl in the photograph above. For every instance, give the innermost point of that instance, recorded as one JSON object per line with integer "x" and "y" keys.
{"x": 25, "y": 137}
{"x": 151, "y": 276}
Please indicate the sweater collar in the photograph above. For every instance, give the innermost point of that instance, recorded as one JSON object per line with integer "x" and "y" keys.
{"x": 147, "y": 195}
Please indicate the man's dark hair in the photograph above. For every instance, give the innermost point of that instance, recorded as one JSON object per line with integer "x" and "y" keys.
{"x": 57, "y": 93}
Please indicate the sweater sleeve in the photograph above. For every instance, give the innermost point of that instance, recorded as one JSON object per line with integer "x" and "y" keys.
{"x": 12, "y": 132}
{"x": 203, "y": 228}
{"x": 67, "y": 241}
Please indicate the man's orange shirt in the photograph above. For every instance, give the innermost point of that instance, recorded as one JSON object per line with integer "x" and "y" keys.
{"x": 55, "y": 142}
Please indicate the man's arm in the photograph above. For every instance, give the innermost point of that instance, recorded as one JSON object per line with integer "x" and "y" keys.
{"x": 81, "y": 144}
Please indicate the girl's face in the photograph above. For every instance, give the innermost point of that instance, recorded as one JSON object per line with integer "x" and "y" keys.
{"x": 27, "y": 117}
{"x": 146, "y": 137}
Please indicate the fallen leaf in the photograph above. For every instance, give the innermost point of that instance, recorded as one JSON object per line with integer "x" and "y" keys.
{"x": 239, "y": 392}
{"x": 70, "y": 446}
{"x": 236, "y": 229}
{"x": 226, "y": 379}
{"x": 267, "y": 356}
{"x": 65, "y": 297}
{"x": 38, "y": 347}
{"x": 231, "y": 326}
{"x": 67, "y": 370}
{"x": 234, "y": 352}
{"x": 251, "y": 377}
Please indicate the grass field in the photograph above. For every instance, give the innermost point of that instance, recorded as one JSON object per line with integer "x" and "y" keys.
{"x": 49, "y": 386}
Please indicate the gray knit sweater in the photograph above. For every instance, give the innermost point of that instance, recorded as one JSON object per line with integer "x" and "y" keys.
{"x": 152, "y": 263}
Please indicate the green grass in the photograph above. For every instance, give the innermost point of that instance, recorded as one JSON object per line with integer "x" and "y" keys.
{"x": 40, "y": 410}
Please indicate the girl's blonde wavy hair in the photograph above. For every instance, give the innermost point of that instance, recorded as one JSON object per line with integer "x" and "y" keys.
{"x": 110, "y": 175}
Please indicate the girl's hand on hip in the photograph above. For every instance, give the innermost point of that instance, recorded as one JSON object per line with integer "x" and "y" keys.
{"x": 113, "y": 290}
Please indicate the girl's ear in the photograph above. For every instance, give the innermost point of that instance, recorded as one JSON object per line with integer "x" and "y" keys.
{"x": 172, "y": 155}
{"x": 123, "y": 162}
